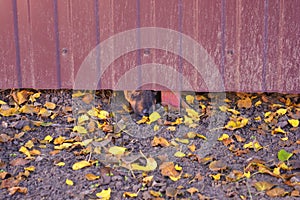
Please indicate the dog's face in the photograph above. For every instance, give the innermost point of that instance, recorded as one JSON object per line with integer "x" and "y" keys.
{"x": 142, "y": 102}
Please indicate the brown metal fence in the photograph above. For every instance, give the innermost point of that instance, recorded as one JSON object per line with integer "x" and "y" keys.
{"x": 250, "y": 45}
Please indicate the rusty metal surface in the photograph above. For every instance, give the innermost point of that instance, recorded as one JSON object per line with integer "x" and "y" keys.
{"x": 254, "y": 45}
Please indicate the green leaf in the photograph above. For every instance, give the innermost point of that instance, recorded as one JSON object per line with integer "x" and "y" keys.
{"x": 283, "y": 155}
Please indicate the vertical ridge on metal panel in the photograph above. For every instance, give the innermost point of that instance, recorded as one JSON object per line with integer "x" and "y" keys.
{"x": 17, "y": 43}
{"x": 57, "y": 47}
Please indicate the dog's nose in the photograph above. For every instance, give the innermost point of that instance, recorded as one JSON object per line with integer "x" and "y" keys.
{"x": 146, "y": 112}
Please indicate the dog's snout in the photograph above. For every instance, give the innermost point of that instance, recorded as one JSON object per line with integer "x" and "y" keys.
{"x": 146, "y": 112}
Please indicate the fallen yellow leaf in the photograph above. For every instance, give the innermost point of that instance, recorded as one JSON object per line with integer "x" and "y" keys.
{"x": 216, "y": 177}
{"x": 253, "y": 145}
{"x": 59, "y": 140}
{"x": 156, "y": 127}
{"x": 63, "y": 146}
{"x": 29, "y": 144}
{"x": 25, "y": 151}
{"x": 223, "y": 137}
{"x": 83, "y": 118}
{"x": 35, "y": 96}
{"x": 9, "y": 112}
{"x": 81, "y": 164}
{"x": 281, "y": 111}
{"x": 190, "y": 99}
{"x": 179, "y": 154}
{"x": 154, "y": 117}
{"x": 223, "y": 108}
{"x": 50, "y": 105}
{"x": 44, "y": 112}
{"x": 183, "y": 141}
{"x": 77, "y": 94}
{"x": 69, "y": 182}
{"x": 30, "y": 168}
{"x": 48, "y": 138}
{"x": 177, "y": 167}
{"x": 116, "y": 150}
{"x": 188, "y": 121}
{"x": 103, "y": 114}
{"x": 171, "y": 128}
{"x": 247, "y": 174}
{"x": 80, "y": 129}
{"x": 129, "y": 194}
{"x": 278, "y": 130}
{"x": 192, "y": 147}
{"x": 60, "y": 164}
{"x": 258, "y": 103}
{"x": 2, "y": 102}
{"x": 294, "y": 122}
{"x": 193, "y": 114}
{"x": 233, "y": 111}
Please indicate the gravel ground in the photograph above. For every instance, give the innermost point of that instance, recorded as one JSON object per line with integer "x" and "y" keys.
{"x": 202, "y": 156}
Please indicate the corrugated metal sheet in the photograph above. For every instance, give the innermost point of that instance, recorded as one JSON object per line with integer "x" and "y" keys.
{"x": 250, "y": 45}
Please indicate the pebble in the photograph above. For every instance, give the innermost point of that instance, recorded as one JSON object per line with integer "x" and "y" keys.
{"x": 117, "y": 178}
{"x": 119, "y": 184}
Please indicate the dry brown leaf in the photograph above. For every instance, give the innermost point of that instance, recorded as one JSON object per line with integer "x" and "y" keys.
{"x": 4, "y": 138}
{"x": 19, "y": 162}
{"x": 91, "y": 177}
{"x": 235, "y": 175}
{"x": 147, "y": 179}
{"x": 295, "y": 193}
{"x": 154, "y": 193}
{"x": 217, "y": 165}
{"x": 192, "y": 147}
{"x": 264, "y": 98}
{"x": 227, "y": 141}
{"x": 8, "y": 112}
{"x": 10, "y": 182}
{"x": 50, "y": 105}
{"x": 21, "y": 96}
{"x": 88, "y": 98}
{"x": 198, "y": 177}
{"x": 54, "y": 152}
{"x": 171, "y": 192}
{"x": 108, "y": 128}
{"x": 168, "y": 169}
{"x": 91, "y": 126}
{"x": 160, "y": 141}
{"x": 192, "y": 190}
{"x": 263, "y": 185}
{"x": 4, "y": 175}
{"x": 239, "y": 138}
{"x": 13, "y": 190}
{"x": 244, "y": 103}
{"x": 276, "y": 192}
{"x": 34, "y": 152}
